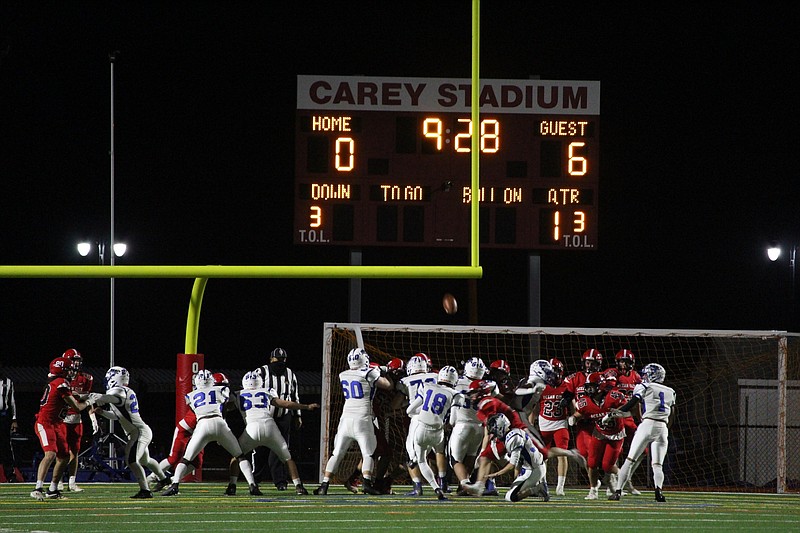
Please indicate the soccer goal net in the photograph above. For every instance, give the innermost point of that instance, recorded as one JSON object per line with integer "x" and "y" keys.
{"x": 737, "y": 425}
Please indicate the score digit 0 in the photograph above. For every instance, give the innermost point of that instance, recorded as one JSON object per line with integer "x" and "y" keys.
{"x": 350, "y": 146}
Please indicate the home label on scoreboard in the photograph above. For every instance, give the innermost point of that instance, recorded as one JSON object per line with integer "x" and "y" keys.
{"x": 386, "y": 162}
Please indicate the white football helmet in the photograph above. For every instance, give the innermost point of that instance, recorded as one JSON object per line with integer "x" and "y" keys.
{"x": 203, "y": 379}
{"x": 541, "y": 371}
{"x": 357, "y": 358}
{"x": 498, "y": 425}
{"x": 448, "y": 375}
{"x": 117, "y": 376}
{"x": 653, "y": 373}
{"x": 474, "y": 368}
{"x": 416, "y": 365}
{"x": 252, "y": 380}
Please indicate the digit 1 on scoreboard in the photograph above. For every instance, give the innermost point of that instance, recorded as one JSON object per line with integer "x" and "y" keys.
{"x": 556, "y": 225}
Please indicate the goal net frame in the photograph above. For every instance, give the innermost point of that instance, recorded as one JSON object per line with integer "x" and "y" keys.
{"x": 737, "y": 425}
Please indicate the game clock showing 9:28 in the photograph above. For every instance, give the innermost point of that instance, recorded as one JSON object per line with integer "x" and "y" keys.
{"x": 387, "y": 162}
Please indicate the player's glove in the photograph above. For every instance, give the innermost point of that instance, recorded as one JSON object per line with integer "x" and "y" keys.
{"x": 571, "y": 420}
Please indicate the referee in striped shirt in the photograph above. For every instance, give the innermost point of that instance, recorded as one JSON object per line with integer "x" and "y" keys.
{"x": 281, "y": 378}
{"x": 8, "y": 425}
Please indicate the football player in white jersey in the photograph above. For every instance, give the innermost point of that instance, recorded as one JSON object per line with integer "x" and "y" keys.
{"x": 418, "y": 372}
{"x": 254, "y": 401}
{"x": 658, "y": 411}
{"x": 359, "y": 385}
{"x": 430, "y": 407}
{"x": 465, "y": 440}
{"x": 123, "y": 405}
{"x": 207, "y": 401}
{"x": 523, "y": 458}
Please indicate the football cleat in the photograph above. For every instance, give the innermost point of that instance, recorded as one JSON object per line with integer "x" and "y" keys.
{"x": 171, "y": 491}
{"x": 369, "y": 489}
{"x": 322, "y": 490}
{"x": 74, "y": 488}
{"x": 37, "y": 494}
{"x": 352, "y": 483}
{"x": 416, "y": 491}
{"x": 231, "y": 490}
{"x": 301, "y": 490}
{"x": 615, "y": 496}
{"x": 60, "y": 485}
{"x": 490, "y": 488}
{"x": 592, "y": 494}
{"x": 280, "y": 486}
{"x": 142, "y": 495}
{"x": 475, "y": 489}
{"x": 160, "y": 484}
{"x": 543, "y": 491}
{"x": 254, "y": 490}
{"x": 53, "y": 494}
{"x": 630, "y": 489}
{"x": 440, "y": 495}
{"x": 559, "y": 491}
{"x": 659, "y": 496}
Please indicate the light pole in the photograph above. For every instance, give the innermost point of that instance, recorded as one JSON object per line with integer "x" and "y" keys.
{"x": 774, "y": 252}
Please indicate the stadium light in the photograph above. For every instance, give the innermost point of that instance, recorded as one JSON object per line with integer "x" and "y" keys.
{"x": 774, "y": 251}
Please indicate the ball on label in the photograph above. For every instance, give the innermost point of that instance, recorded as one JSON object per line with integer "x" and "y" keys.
{"x": 449, "y": 303}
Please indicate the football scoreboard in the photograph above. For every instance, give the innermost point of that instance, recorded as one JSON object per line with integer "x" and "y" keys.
{"x": 386, "y": 162}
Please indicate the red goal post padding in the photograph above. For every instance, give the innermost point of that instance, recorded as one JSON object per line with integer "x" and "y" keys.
{"x": 188, "y": 364}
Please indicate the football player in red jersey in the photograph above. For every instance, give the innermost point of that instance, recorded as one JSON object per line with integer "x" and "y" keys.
{"x": 592, "y": 361}
{"x": 627, "y": 379}
{"x": 553, "y": 421}
{"x": 605, "y": 444}
{"x": 81, "y": 384}
{"x": 50, "y": 428}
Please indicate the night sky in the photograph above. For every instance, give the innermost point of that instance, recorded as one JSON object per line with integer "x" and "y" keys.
{"x": 699, "y": 114}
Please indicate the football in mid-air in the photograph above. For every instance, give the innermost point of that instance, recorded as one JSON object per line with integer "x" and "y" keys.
{"x": 449, "y": 303}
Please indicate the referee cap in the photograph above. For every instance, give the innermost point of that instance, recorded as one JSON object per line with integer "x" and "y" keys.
{"x": 279, "y": 353}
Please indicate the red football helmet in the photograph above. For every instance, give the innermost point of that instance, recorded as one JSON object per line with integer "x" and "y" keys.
{"x": 501, "y": 365}
{"x": 592, "y": 360}
{"x": 220, "y": 378}
{"x": 609, "y": 379}
{"x": 395, "y": 366}
{"x": 558, "y": 366}
{"x": 60, "y": 367}
{"x": 625, "y": 360}
{"x": 75, "y": 356}
{"x": 593, "y": 383}
{"x": 480, "y": 388}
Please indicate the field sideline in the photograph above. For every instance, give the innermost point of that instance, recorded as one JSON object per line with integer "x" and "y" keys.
{"x": 105, "y": 507}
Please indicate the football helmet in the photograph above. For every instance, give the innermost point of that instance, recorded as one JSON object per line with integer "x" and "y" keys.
{"x": 428, "y": 362}
{"x": 203, "y": 379}
{"x": 625, "y": 357}
{"x": 252, "y": 380}
{"x": 395, "y": 366}
{"x": 75, "y": 356}
{"x": 542, "y": 371}
{"x": 416, "y": 365}
{"x": 501, "y": 365}
{"x": 498, "y": 425}
{"x": 653, "y": 373}
{"x": 593, "y": 383}
{"x": 480, "y": 388}
{"x": 357, "y": 359}
{"x": 592, "y": 360}
{"x": 60, "y": 367}
{"x": 220, "y": 378}
{"x": 117, "y": 376}
{"x": 448, "y": 375}
{"x": 558, "y": 366}
{"x": 609, "y": 379}
{"x": 474, "y": 368}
